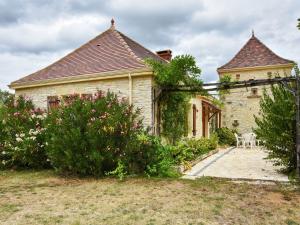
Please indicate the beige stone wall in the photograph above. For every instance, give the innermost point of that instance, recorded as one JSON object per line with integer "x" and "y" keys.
{"x": 240, "y": 105}
{"x": 140, "y": 86}
{"x": 142, "y": 98}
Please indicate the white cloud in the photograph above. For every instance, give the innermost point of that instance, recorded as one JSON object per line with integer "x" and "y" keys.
{"x": 14, "y": 66}
{"x": 50, "y": 36}
{"x": 36, "y": 33}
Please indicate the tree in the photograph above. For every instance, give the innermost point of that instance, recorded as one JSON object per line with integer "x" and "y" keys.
{"x": 174, "y": 106}
{"x": 276, "y": 126}
{"x": 4, "y": 95}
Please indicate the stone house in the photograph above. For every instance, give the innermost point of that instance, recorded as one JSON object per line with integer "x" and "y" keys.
{"x": 111, "y": 61}
{"x": 254, "y": 61}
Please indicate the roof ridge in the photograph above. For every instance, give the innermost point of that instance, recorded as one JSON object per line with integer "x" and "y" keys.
{"x": 120, "y": 33}
{"x": 124, "y": 43}
{"x": 236, "y": 54}
{"x": 108, "y": 51}
{"x": 269, "y": 48}
{"x": 64, "y": 57}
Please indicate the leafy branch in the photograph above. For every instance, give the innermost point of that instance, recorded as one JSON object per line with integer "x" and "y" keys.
{"x": 174, "y": 106}
{"x": 225, "y": 80}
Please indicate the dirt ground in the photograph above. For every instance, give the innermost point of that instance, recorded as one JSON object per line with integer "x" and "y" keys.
{"x": 46, "y": 198}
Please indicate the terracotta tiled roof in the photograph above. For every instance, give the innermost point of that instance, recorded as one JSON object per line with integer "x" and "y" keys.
{"x": 254, "y": 53}
{"x": 110, "y": 51}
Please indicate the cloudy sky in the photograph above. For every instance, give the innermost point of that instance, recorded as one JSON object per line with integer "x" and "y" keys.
{"x": 35, "y": 33}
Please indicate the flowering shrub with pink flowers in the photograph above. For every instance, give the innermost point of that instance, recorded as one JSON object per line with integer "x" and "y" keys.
{"x": 99, "y": 136}
{"x": 21, "y": 135}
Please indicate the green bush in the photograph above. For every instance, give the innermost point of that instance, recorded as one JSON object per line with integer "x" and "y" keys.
{"x": 103, "y": 137}
{"x": 21, "y": 135}
{"x": 190, "y": 149}
{"x": 276, "y": 126}
{"x": 90, "y": 137}
{"x": 225, "y": 136}
{"x": 147, "y": 155}
{"x": 211, "y": 143}
{"x": 155, "y": 158}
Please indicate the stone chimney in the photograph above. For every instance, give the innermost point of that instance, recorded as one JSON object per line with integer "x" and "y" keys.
{"x": 165, "y": 54}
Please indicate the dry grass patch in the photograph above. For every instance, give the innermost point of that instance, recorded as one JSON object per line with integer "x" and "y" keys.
{"x": 45, "y": 198}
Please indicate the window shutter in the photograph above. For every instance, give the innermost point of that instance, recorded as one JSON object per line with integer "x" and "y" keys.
{"x": 87, "y": 96}
{"x": 68, "y": 99}
{"x": 254, "y": 91}
{"x": 194, "y": 120}
{"x": 53, "y": 102}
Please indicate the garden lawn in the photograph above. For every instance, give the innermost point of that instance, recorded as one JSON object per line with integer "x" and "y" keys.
{"x": 45, "y": 198}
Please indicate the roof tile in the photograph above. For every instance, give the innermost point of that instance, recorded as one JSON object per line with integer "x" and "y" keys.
{"x": 254, "y": 53}
{"x": 109, "y": 51}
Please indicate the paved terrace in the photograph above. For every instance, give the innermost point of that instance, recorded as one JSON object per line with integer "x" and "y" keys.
{"x": 238, "y": 163}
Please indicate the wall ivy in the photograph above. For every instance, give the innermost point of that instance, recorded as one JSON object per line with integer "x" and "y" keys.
{"x": 174, "y": 106}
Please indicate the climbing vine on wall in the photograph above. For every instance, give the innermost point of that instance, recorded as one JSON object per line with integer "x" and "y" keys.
{"x": 225, "y": 80}
{"x": 174, "y": 106}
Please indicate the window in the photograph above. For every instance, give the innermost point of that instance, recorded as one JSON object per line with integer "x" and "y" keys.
{"x": 87, "y": 96}
{"x": 237, "y": 76}
{"x": 235, "y": 123}
{"x": 254, "y": 91}
{"x": 53, "y": 102}
{"x": 269, "y": 75}
{"x": 68, "y": 99}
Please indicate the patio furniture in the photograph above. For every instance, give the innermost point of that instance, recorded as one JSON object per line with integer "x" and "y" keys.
{"x": 256, "y": 142}
{"x": 239, "y": 140}
{"x": 249, "y": 140}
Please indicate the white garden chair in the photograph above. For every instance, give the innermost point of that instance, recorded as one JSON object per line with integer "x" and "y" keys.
{"x": 239, "y": 140}
{"x": 256, "y": 141}
{"x": 249, "y": 139}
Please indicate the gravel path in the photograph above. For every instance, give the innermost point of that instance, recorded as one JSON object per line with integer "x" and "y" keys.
{"x": 237, "y": 163}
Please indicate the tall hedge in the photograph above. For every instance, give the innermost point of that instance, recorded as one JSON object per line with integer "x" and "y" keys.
{"x": 276, "y": 126}
{"x": 101, "y": 136}
{"x": 22, "y": 135}
{"x": 226, "y": 136}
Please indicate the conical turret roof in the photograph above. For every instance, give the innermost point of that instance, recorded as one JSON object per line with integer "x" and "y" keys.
{"x": 254, "y": 54}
